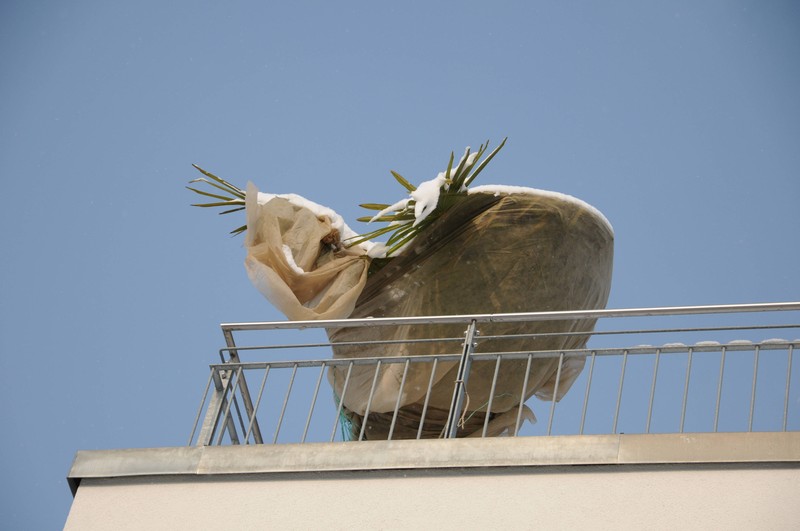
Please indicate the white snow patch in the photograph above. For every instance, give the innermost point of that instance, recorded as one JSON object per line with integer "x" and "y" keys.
{"x": 470, "y": 160}
{"x": 500, "y": 189}
{"x": 427, "y": 197}
{"x": 741, "y": 342}
{"x": 337, "y": 222}
{"x": 287, "y": 252}
{"x": 707, "y": 344}
{"x": 397, "y": 207}
{"x": 378, "y": 250}
{"x": 674, "y": 345}
{"x": 774, "y": 340}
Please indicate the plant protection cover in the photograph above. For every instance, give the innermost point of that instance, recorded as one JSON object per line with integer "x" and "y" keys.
{"x": 452, "y": 250}
{"x": 495, "y": 250}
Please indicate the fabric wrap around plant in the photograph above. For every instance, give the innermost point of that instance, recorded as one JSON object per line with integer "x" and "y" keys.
{"x": 525, "y": 251}
{"x": 295, "y": 259}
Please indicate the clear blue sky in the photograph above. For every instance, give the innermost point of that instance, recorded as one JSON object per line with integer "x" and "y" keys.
{"x": 679, "y": 120}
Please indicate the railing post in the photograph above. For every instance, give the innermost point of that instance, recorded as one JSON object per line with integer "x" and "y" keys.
{"x": 217, "y": 403}
{"x": 244, "y": 390}
{"x": 460, "y": 387}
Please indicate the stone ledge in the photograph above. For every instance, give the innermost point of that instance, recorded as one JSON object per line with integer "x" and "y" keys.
{"x": 622, "y": 449}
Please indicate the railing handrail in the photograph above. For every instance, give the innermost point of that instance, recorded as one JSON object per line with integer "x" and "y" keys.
{"x": 669, "y": 348}
{"x": 516, "y": 317}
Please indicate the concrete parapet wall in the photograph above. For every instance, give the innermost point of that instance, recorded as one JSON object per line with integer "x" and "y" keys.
{"x": 742, "y": 481}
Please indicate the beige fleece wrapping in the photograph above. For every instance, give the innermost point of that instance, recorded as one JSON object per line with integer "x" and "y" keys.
{"x": 331, "y": 278}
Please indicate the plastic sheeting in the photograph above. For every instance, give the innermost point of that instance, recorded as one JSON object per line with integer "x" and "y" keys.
{"x": 295, "y": 259}
{"x": 489, "y": 253}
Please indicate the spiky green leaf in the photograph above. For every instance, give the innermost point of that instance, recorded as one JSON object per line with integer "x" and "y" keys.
{"x": 483, "y": 164}
{"x": 232, "y": 210}
{"x": 457, "y": 177}
{"x": 222, "y": 204}
{"x": 407, "y": 185}
{"x": 207, "y": 194}
{"x": 234, "y": 192}
{"x": 387, "y": 219}
{"x": 222, "y": 183}
{"x": 400, "y": 244}
{"x": 374, "y": 206}
{"x": 447, "y": 177}
{"x": 239, "y": 230}
{"x": 407, "y": 228}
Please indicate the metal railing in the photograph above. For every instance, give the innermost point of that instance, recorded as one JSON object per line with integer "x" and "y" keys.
{"x": 743, "y": 380}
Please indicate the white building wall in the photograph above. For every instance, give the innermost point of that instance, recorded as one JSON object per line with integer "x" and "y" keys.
{"x": 588, "y": 498}
{"x": 636, "y": 482}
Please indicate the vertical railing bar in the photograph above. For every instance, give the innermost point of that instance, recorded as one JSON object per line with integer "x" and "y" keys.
{"x": 788, "y": 383}
{"x": 226, "y": 415}
{"x": 586, "y": 394}
{"x": 619, "y": 392}
{"x": 200, "y": 409}
{"x": 427, "y": 398}
{"x": 652, "y": 391}
{"x": 522, "y": 395}
{"x": 233, "y": 354}
{"x": 313, "y": 401}
{"x": 369, "y": 400}
{"x": 753, "y": 392}
{"x": 229, "y": 423}
{"x": 285, "y": 402}
{"x": 341, "y": 400}
{"x": 460, "y": 385}
{"x": 236, "y": 406}
{"x": 217, "y": 401}
{"x": 255, "y": 407}
{"x": 555, "y": 394}
{"x": 397, "y": 403}
{"x": 686, "y": 388}
{"x": 491, "y": 397}
{"x": 719, "y": 388}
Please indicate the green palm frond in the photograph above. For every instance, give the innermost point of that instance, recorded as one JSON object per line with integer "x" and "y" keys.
{"x": 403, "y": 225}
{"x": 407, "y": 185}
{"x": 218, "y": 182}
{"x": 373, "y": 206}
{"x": 234, "y": 195}
{"x": 402, "y": 220}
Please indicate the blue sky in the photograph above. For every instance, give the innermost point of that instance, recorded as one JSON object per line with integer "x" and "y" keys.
{"x": 678, "y": 120}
